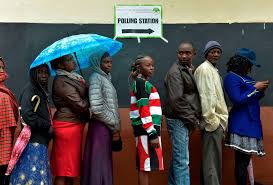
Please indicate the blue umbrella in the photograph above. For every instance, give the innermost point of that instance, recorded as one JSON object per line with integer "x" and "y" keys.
{"x": 82, "y": 46}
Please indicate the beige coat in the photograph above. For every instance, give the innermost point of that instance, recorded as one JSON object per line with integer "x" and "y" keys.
{"x": 214, "y": 108}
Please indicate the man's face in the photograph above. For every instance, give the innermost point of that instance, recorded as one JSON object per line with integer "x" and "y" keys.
{"x": 185, "y": 53}
{"x": 214, "y": 55}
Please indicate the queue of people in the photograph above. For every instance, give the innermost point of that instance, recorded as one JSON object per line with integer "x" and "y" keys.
{"x": 195, "y": 99}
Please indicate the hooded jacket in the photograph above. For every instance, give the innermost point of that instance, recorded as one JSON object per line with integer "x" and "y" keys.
{"x": 39, "y": 121}
{"x": 103, "y": 96}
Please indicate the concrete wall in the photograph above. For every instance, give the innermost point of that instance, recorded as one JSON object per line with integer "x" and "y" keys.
{"x": 124, "y": 162}
{"x": 174, "y": 11}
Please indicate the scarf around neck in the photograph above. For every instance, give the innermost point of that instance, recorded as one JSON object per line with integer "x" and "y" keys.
{"x": 3, "y": 77}
{"x": 71, "y": 75}
{"x": 12, "y": 100}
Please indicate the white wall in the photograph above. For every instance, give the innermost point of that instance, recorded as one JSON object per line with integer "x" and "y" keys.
{"x": 102, "y": 11}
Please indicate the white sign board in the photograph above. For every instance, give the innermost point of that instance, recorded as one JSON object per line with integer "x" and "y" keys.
{"x": 138, "y": 21}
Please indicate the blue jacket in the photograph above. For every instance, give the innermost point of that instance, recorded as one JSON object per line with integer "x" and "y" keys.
{"x": 244, "y": 117}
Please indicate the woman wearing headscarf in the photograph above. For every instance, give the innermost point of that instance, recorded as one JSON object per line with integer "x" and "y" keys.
{"x": 70, "y": 97}
{"x": 33, "y": 164}
{"x": 105, "y": 125}
{"x": 8, "y": 121}
{"x": 245, "y": 134}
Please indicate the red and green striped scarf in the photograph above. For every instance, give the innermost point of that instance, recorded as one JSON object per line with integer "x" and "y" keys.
{"x": 145, "y": 107}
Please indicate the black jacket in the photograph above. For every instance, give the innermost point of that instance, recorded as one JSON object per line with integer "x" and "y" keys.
{"x": 38, "y": 121}
{"x": 182, "y": 97}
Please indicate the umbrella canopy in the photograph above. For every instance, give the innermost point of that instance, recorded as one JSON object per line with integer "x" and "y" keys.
{"x": 82, "y": 45}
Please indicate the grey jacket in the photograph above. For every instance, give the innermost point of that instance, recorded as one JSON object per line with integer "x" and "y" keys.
{"x": 103, "y": 100}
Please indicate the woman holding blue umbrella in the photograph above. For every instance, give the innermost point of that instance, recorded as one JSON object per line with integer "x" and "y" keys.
{"x": 104, "y": 127}
{"x": 70, "y": 97}
{"x": 58, "y": 54}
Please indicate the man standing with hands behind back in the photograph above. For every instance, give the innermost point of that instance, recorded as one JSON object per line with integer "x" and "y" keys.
{"x": 182, "y": 110}
{"x": 214, "y": 113}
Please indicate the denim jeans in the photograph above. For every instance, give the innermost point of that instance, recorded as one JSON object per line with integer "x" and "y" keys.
{"x": 179, "y": 173}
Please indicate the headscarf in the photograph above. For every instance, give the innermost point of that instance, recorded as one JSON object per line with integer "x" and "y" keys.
{"x": 33, "y": 76}
{"x": 95, "y": 60}
{"x": 10, "y": 105}
{"x": 3, "y": 75}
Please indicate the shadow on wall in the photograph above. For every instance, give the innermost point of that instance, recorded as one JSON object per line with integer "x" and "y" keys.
{"x": 124, "y": 161}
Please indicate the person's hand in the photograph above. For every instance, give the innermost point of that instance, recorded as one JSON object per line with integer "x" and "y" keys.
{"x": 155, "y": 143}
{"x": 262, "y": 85}
{"x": 116, "y": 135}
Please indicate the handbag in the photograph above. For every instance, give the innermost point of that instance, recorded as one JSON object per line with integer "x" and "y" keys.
{"x": 117, "y": 145}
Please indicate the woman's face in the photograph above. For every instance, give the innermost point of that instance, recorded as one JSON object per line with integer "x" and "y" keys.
{"x": 42, "y": 75}
{"x": 2, "y": 66}
{"x": 68, "y": 64}
{"x": 146, "y": 67}
{"x": 106, "y": 64}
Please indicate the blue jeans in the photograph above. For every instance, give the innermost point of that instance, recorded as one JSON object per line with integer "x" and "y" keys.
{"x": 179, "y": 173}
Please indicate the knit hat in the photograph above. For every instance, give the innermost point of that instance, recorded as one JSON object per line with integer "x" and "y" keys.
{"x": 212, "y": 45}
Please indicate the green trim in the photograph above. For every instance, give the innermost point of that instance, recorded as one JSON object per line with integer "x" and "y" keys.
{"x": 115, "y": 33}
{"x": 136, "y": 121}
{"x": 143, "y": 102}
{"x": 153, "y": 132}
{"x": 161, "y": 22}
{"x": 134, "y": 87}
{"x": 148, "y": 87}
{"x": 157, "y": 119}
{"x": 139, "y": 5}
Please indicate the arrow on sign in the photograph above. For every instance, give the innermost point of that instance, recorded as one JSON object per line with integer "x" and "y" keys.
{"x": 138, "y": 31}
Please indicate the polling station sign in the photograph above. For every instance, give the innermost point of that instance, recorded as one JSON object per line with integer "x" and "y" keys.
{"x": 132, "y": 21}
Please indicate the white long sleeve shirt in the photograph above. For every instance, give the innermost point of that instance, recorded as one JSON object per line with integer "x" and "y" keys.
{"x": 214, "y": 108}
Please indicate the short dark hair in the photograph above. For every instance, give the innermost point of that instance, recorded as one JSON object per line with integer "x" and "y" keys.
{"x": 187, "y": 42}
{"x": 54, "y": 63}
{"x": 238, "y": 65}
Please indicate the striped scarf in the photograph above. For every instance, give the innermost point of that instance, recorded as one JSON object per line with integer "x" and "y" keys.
{"x": 145, "y": 106}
